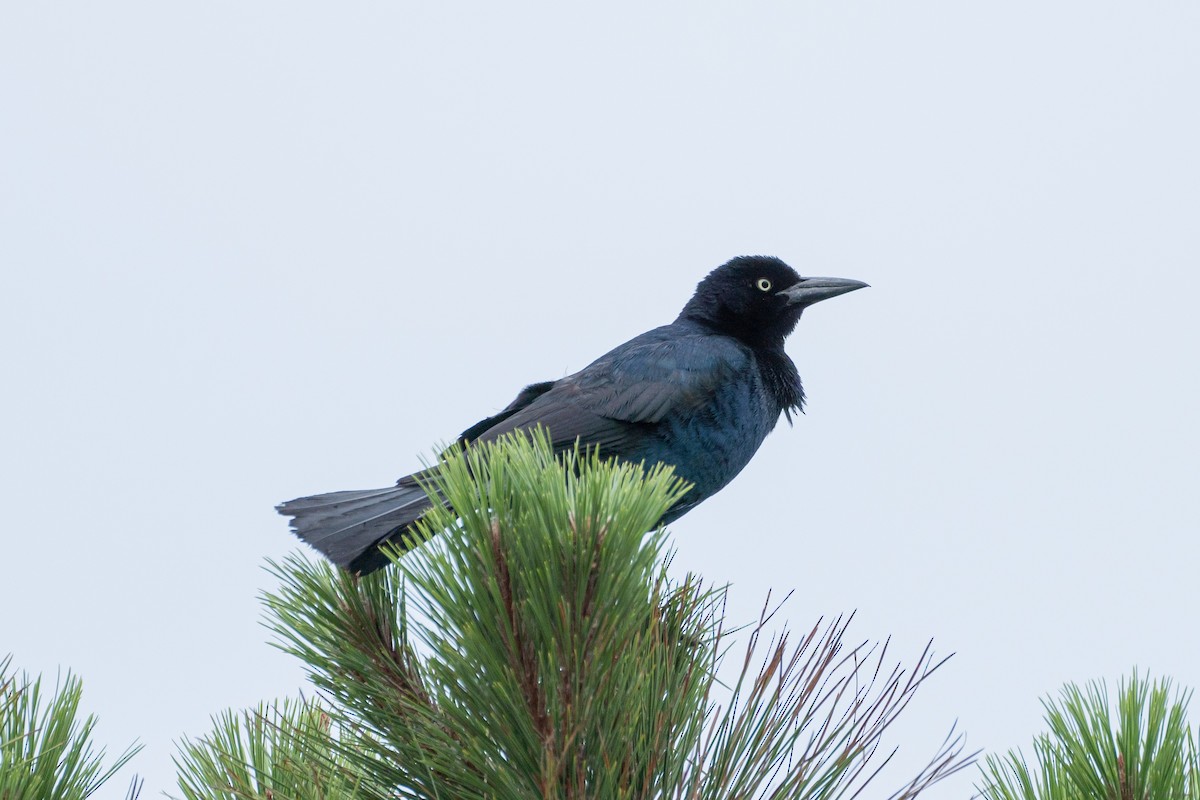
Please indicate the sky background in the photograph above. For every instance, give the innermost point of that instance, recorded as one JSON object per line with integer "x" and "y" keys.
{"x": 255, "y": 250}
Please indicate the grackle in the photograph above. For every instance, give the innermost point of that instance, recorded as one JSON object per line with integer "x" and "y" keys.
{"x": 700, "y": 394}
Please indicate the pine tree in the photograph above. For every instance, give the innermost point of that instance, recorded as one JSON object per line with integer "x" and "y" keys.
{"x": 1147, "y": 752}
{"x": 536, "y": 648}
{"x": 46, "y": 750}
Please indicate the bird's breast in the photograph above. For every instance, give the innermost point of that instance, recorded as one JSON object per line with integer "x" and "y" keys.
{"x": 711, "y": 444}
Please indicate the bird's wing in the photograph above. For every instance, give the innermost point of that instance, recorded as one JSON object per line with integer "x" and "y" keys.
{"x": 656, "y": 376}
{"x": 610, "y": 402}
{"x": 526, "y": 396}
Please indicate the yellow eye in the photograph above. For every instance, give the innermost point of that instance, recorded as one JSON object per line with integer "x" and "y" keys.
{"x": 763, "y": 285}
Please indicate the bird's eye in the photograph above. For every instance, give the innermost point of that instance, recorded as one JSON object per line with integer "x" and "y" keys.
{"x": 763, "y": 285}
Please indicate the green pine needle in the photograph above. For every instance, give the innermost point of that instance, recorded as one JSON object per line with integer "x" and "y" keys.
{"x": 279, "y": 751}
{"x": 537, "y": 649}
{"x": 46, "y": 750}
{"x": 1146, "y": 753}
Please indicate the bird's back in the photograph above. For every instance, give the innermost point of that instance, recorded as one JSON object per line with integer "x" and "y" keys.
{"x": 679, "y": 394}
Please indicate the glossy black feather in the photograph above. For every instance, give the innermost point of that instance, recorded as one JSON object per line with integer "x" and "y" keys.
{"x": 701, "y": 394}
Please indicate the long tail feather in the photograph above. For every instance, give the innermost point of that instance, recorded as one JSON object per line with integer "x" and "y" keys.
{"x": 347, "y": 527}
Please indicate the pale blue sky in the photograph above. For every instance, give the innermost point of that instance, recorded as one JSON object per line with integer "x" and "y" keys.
{"x": 257, "y": 250}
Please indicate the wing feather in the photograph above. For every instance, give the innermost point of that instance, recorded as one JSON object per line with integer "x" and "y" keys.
{"x": 609, "y": 402}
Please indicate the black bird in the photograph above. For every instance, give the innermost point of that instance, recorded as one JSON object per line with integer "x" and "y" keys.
{"x": 700, "y": 394}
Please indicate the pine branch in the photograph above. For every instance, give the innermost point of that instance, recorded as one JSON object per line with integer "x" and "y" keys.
{"x": 46, "y": 750}
{"x": 1147, "y": 752}
{"x": 280, "y": 751}
{"x": 537, "y": 649}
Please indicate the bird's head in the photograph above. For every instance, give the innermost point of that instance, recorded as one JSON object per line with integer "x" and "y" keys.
{"x": 759, "y": 299}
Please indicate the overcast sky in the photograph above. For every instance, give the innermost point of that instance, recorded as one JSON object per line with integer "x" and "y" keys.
{"x": 253, "y": 250}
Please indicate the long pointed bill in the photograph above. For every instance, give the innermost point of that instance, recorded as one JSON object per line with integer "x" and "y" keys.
{"x": 814, "y": 290}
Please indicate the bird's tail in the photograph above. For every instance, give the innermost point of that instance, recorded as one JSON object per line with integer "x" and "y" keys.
{"x": 348, "y": 527}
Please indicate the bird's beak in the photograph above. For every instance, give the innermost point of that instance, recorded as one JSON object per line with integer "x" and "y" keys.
{"x": 814, "y": 290}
